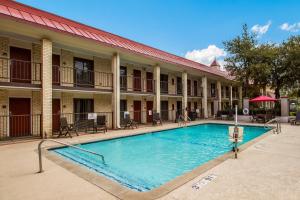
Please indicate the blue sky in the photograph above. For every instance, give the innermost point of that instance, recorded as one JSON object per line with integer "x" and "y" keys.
{"x": 181, "y": 26}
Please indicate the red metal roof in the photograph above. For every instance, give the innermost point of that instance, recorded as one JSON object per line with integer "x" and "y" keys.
{"x": 24, "y": 13}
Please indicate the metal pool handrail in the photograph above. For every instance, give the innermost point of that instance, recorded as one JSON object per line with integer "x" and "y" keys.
{"x": 278, "y": 125}
{"x": 63, "y": 143}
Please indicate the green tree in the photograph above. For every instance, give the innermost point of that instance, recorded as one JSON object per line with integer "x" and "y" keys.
{"x": 241, "y": 57}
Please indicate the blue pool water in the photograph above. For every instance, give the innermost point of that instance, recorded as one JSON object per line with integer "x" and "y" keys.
{"x": 147, "y": 161}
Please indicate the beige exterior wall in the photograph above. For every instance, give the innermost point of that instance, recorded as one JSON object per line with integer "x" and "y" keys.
{"x": 103, "y": 106}
{"x": 4, "y": 126}
{"x": 66, "y": 71}
{"x": 102, "y": 69}
{"x": 4, "y": 53}
{"x": 36, "y": 66}
{"x": 36, "y": 107}
{"x": 172, "y": 87}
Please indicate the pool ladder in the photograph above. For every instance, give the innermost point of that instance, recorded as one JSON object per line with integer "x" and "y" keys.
{"x": 278, "y": 125}
{"x": 66, "y": 144}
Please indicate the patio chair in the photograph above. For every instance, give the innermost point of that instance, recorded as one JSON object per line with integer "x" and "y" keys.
{"x": 65, "y": 128}
{"x": 130, "y": 123}
{"x": 218, "y": 115}
{"x": 296, "y": 120}
{"x": 156, "y": 119}
{"x": 101, "y": 123}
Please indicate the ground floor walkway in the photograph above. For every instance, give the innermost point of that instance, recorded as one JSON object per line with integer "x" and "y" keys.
{"x": 268, "y": 169}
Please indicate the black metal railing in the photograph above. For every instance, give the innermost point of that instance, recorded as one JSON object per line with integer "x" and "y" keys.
{"x": 74, "y": 77}
{"x": 136, "y": 84}
{"x": 20, "y": 71}
{"x": 16, "y": 126}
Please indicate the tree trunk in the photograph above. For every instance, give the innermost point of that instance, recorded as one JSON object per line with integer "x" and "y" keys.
{"x": 277, "y": 93}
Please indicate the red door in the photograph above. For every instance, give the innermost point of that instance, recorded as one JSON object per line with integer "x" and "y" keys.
{"x": 137, "y": 80}
{"x": 19, "y": 123}
{"x": 149, "y": 79}
{"x": 137, "y": 111}
{"x": 149, "y": 110}
{"x": 55, "y": 69}
{"x": 55, "y": 114}
{"x": 20, "y": 65}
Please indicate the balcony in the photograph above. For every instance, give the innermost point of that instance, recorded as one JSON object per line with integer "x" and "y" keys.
{"x": 20, "y": 73}
{"x": 81, "y": 78}
{"x": 136, "y": 84}
{"x": 167, "y": 88}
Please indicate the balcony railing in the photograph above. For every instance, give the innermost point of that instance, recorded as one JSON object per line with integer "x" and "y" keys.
{"x": 20, "y": 71}
{"x": 136, "y": 84}
{"x": 16, "y": 126}
{"x": 196, "y": 92}
{"x": 74, "y": 77}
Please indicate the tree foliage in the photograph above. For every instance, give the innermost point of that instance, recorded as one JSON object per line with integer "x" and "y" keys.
{"x": 258, "y": 66}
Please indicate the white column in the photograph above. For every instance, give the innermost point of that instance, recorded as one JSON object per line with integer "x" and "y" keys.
{"x": 284, "y": 106}
{"x": 184, "y": 94}
{"x": 230, "y": 96}
{"x": 46, "y": 87}
{"x": 240, "y": 97}
{"x": 157, "y": 88}
{"x": 219, "y": 88}
{"x": 116, "y": 90}
{"x": 204, "y": 97}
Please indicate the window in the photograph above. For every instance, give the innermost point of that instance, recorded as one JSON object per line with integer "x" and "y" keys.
{"x": 213, "y": 90}
{"x": 82, "y": 107}
{"x": 83, "y": 72}
{"x": 164, "y": 83}
{"x": 123, "y": 78}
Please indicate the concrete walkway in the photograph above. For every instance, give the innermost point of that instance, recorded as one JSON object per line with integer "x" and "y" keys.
{"x": 269, "y": 169}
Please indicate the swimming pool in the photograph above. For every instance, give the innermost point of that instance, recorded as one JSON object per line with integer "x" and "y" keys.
{"x": 147, "y": 161}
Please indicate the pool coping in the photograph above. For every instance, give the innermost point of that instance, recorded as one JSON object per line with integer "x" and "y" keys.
{"x": 122, "y": 192}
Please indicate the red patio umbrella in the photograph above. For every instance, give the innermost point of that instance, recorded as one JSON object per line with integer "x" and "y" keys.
{"x": 262, "y": 99}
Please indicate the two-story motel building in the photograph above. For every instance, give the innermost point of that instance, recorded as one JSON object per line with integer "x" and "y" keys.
{"x": 51, "y": 66}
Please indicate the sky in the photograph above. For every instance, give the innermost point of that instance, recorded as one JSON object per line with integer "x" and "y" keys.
{"x": 194, "y": 29}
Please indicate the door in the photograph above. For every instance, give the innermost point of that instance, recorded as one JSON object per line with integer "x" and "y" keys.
{"x": 123, "y": 78}
{"x": 189, "y": 87}
{"x": 82, "y": 107}
{"x": 179, "y": 85}
{"x": 137, "y": 111}
{"x": 137, "y": 80}
{"x": 19, "y": 123}
{"x": 83, "y": 72}
{"x": 149, "y": 111}
{"x": 20, "y": 65}
{"x": 123, "y": 108}
{"x": 164, "y": 105}
{"x": 164, "y": 85}
{"x": 55, "y": 69}
{"x": 149, "y": 77}
{"x": 195, "y": 88}
{"x": 179, "y": 108}
{"x": 55, "y": 115}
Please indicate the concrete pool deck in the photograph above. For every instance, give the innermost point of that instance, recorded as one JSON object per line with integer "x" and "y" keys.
{"x": 268, "y": 169}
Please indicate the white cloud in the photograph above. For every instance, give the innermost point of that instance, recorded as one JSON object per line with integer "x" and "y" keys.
{"x": 261, "y": 29}
{"x": 290, "y": 27}
{"x": 207, "y": 55}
